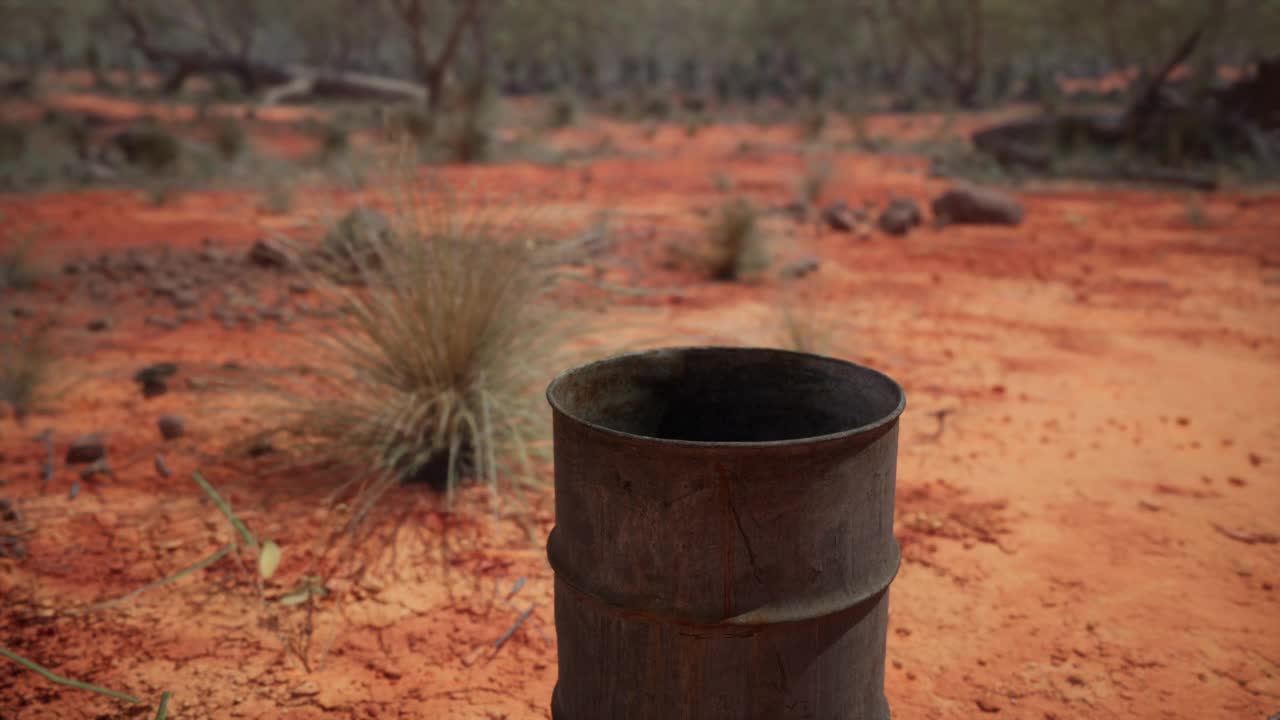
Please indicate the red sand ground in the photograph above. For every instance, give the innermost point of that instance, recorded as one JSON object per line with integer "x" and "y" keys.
{"x": 1089, "y": 533}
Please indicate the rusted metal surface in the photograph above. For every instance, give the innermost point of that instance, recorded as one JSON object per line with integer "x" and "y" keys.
{"x": 724, "y": 536}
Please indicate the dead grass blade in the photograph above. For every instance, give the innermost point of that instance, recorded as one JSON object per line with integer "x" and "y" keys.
{"x": 58, "y": 679}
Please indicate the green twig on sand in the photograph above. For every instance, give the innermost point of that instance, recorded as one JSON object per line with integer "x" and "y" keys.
{"x": 163, "y": 712}
{"x": 47, "y": 675}
{"x": 172, "y": 578}
{"x": 240, "y": 527}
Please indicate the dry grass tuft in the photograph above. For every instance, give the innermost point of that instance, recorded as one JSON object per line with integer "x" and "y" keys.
{"x": 737, "y": 247}
{"x": 27, "y": 368}
{"x": 814, "y": 180}
{"x": 17, "y": 271}
{"x": 431, "y": 371}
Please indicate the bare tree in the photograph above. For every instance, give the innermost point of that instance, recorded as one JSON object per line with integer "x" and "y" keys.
{"x": 228, "y": 34}
{"x": 955, "y": 53}
{"x": 228, "y": 38}
{"x": 419, "y": 19}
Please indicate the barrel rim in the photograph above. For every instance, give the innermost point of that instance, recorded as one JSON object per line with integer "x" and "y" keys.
{"x": 872, "y": 426}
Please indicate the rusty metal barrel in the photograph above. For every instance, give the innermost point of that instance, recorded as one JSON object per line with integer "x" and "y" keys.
{"x": 724, "y": 543}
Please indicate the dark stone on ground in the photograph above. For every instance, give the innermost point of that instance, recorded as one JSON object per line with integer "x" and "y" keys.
{"x": 98, "y": 325}
{"x": 299, "y": 287}
{"x": 900, "y": 217}
{"x": 86, "y": 449}
{"x": 171, "y": 427}
{"x": 968, "y": 205}
{"x": 154, "y": 388}
{"x": 268, "y": 254}
{"x": 141, "y": 263}
{"x": 19, "y": 311}
{"x": 152, "y": 378}
{"x": 839, "y": 217}
{"x": 261, "y": 447}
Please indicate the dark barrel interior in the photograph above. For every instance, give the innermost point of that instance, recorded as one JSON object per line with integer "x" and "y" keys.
{"x": 726, "y": 395}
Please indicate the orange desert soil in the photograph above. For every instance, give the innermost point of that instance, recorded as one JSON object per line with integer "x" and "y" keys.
{"x": 1088, "y": 481}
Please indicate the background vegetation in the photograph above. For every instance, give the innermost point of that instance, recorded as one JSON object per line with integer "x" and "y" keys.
{"x": 968, "y": 52}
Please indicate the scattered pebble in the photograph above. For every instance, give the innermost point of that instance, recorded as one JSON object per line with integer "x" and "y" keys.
{"x": 268, "y": 254}
{"x": 839, "y": 217}
{"x": 900, "y": 217}
{"x": 98, "y": 325}
{"x": 260, "y": 447}
{"x": 171, "y": 427}
{"x": 162, "y": 322}
{"x": 161, "y": 467}
{"x": 185, "y": 299}
{"x": 86, "y": 449}
{"x": 152, "y": 378}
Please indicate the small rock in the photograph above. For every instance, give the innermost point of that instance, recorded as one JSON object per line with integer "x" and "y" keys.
{"x": 987, "y": 706}
{"x": 156, "y": 370}
{"x": 298, "y": 287}
{"x": 162, "y": 322}
{"x": 19, "y": 311}
{"x": 171, "y": 427}
{"x": 839, "y": 217}
{"x": 901, "y": 215}
{"x": 86, "y": 449}
{"x": 140, "y": 263}
{"x": 154, "y": 388}
{"x": 210, "y": 254}
{"x": 800, "y": 268}
{"x": 268, "y": 254}
{"x": 98, "y": 325}
{"x": 161, "y": 468}
{"x": 260, "y": 447}
{"x": 977, "y": 206}
{"x": 185, "y": 299}
{"x": 152, "y": 378}
{"x": 74, "y": 267}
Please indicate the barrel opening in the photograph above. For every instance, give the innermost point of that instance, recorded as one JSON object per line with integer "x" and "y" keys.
{"x": 726, "y": 395}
